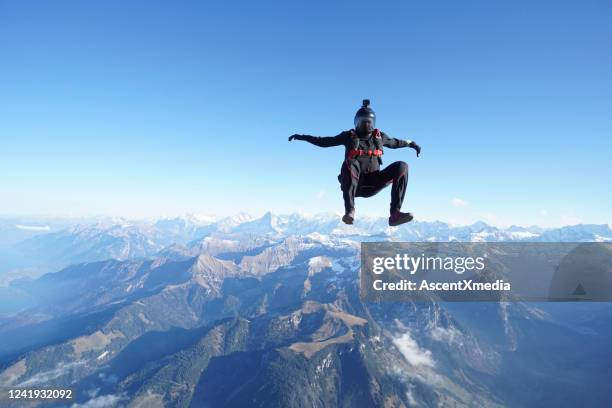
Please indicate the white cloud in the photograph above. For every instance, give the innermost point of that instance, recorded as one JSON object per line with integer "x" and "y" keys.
{"x": 449, "y": 336}
{"x": 457, "y": 202}
{"x": 34, "y": 228}
{"x": 46, "y": 376}
{"x": 102, "y": 401}
{"x": 410, "y": 396}
{"x": 321, "y": 194}
{"x": 411, "y": 351}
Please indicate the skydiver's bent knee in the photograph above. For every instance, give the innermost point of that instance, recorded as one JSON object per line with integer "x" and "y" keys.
{"x": 403, "y": 167}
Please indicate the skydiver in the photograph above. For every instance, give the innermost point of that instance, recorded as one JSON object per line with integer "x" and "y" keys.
{"x": 360, "y": 174}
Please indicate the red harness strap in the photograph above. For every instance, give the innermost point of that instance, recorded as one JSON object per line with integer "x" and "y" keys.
{"x": 358, "y": 152}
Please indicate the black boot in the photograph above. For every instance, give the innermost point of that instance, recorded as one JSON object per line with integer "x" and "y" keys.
{"x": 398, "y": 218}
{"x": 349, "y": 216}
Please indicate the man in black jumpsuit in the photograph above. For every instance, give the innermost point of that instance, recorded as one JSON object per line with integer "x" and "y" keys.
{"x": 360, "y": 175}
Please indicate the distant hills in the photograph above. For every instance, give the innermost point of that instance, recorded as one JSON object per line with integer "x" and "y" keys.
{"x": 51, "y": 245}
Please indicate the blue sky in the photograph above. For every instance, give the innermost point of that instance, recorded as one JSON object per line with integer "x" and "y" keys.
{"x": 158, "y": 108}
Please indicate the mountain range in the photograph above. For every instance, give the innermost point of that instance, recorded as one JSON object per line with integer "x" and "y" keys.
{"x": 264, "y": 312}
{"x": 52, "y": 246}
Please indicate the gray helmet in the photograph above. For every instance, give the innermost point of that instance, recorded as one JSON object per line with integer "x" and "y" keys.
{"x": 365, "y": 112}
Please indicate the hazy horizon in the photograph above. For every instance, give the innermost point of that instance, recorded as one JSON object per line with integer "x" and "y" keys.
{"x": 211, "y": 217}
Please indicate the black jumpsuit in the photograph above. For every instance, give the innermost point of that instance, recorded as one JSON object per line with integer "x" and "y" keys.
{"x": 361, "y": 176}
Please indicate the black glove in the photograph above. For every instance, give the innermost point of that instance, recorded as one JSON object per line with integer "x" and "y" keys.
{"x": 296, "y": 137}
{"x": 415, "y": 147}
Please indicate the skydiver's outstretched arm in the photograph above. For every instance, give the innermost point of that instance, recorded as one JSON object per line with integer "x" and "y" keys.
{"x": 394, "y": 143}
{"x": 325, "y": 141}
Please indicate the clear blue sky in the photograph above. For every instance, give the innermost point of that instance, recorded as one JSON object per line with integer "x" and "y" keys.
{"x": 143, "y": 108}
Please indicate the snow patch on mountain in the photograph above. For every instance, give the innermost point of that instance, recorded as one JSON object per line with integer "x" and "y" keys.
{"x": 317, "y": 263}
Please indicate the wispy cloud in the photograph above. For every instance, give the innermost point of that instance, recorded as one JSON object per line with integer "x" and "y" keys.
{"x": 321, "y": 194}
{"x": 45, "y": 376}
{"x": 409, "y": 394}
{"x": 103, "y": 401}
{"x": 411, "y": 351}
{"x": 34, "y": 228}
{"x": 449, "y": 336}
{"x": 458, "y": 202}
